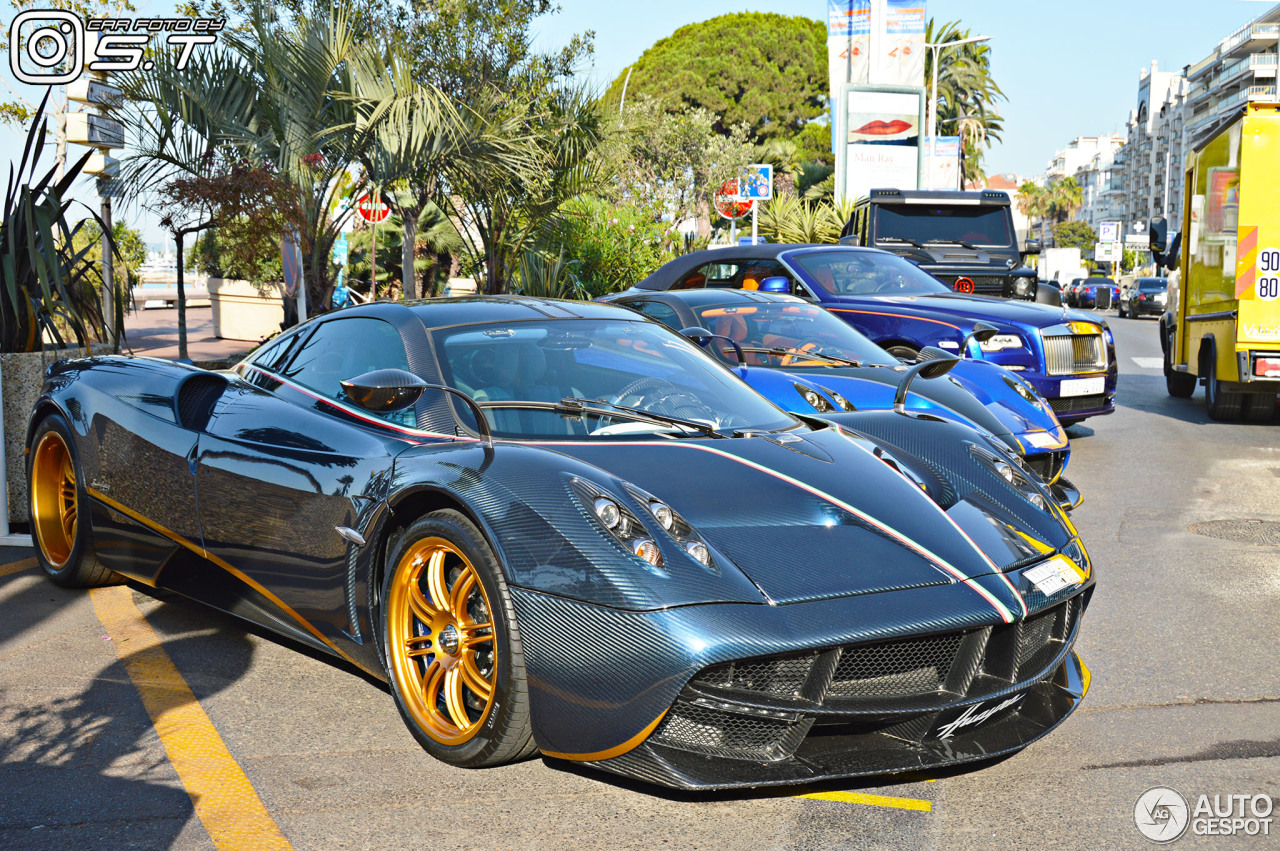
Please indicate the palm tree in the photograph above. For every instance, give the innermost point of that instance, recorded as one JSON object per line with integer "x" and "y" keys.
{"x": 276, "y": 92}
{"x": 784, "y": 156}
{"x": 967, "y": 94}
{"x": 1032, "y": 203}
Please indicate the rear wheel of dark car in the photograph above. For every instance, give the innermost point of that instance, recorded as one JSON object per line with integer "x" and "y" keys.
{"x": 452, "y": 647}
{"x": 62, "y": 537}
{"x": 1120, "y": 309}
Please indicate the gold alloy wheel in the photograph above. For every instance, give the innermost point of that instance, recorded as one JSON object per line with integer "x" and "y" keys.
{"x": 53, "y": 499}
{"x": 440, "y": 641}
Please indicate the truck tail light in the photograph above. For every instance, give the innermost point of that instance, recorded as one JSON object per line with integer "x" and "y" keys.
{"x": 1267, "y": 367}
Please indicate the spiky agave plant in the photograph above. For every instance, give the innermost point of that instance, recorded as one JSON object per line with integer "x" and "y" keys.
{"x": 46, "y": 290}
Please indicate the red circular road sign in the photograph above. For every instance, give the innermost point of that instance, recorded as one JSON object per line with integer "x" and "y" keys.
{"x": 963, "y": 285}
{"x": 725, "y": 203}
{"x": 372, "y": 210}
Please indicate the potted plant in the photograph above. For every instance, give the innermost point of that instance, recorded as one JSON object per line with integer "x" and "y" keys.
{"x": 49, "y": 308}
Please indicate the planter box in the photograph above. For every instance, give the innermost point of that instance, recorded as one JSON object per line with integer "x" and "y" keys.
{"x": 23, "y": 376}
{"x": 242, "y": 311}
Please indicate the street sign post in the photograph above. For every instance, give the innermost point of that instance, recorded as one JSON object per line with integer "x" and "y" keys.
{"x": 756, "y": 185}
{"x": 1108, "y": 232}
{"x": 730, "y": 206}
{"x": 374, "y": 211}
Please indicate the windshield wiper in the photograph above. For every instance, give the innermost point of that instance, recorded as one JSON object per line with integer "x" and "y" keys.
{"x": 960, "y": 242}
{"x": 900, "y": 239}
{"x": 577, "y": 406}
{"x": 779, "y": 350}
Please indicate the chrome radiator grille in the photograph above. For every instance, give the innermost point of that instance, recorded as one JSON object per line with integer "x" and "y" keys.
{"x": 1074, "y": 354}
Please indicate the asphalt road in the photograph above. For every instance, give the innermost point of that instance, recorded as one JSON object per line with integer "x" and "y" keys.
{"x": 258, "y": 745}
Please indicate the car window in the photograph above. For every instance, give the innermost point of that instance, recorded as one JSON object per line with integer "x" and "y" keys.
{"x": 1153, "y": 285}
{"x": 658, "y": 311}
{"x": 345, "y": 348}
{"x": 854, "y": 271}
{"x": 732, "y": 273}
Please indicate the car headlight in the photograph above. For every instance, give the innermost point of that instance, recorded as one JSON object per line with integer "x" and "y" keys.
{"x": 845, "y": 404}
{"x": 814, "y": 398}
{"x": 1022, "y": 286}
{"x": 1018, "y": 478}
{"x": 632, "y": 533}
{"x": 1000, "y": 342}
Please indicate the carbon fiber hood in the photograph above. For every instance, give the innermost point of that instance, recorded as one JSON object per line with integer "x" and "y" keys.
{"x": 819, "y": 514}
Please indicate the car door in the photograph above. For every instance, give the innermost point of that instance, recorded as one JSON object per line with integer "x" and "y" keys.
{"x": 285, "y": 462}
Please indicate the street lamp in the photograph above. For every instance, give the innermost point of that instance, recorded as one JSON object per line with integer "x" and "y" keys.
{"x": 933, "y": 100}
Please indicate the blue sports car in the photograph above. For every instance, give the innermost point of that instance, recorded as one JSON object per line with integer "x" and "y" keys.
{"x": 559, "y": 527}
{"x": 1067, "y": 355}
{"x": 802, "y": 358}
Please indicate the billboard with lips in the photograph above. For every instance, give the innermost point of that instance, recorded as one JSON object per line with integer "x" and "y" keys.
{"x": 881, "y": 135}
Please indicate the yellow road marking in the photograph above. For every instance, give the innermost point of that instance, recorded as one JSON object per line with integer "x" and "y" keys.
{"x": 17, "y": 566}
{"x": 224, "y": 800}
{"x": 871, "y": 800}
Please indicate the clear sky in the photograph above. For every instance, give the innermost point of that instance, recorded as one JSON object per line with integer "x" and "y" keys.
{"x": 1068, "y": 68}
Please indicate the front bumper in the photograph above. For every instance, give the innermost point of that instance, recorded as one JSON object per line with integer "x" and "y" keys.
{"x": 748, "y": 724}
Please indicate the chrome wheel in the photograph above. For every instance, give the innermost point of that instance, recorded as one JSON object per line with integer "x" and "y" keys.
{"x": 440, "y": 641}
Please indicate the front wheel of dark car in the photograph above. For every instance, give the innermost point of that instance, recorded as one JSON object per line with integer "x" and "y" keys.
{"x": 452, "y": 647}
{"x": 59, "y": 524}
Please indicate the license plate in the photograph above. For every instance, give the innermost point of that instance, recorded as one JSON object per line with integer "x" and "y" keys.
{"x": 1082, "y": 386}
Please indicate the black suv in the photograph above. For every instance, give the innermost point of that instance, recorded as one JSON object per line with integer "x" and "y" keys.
{"x": 966, "y": 239}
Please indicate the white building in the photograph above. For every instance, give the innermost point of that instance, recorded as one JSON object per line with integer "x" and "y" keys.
{"x": 1089, "y": 159}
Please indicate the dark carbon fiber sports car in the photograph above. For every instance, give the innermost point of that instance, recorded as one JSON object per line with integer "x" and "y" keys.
{"x": 558, "y": 527}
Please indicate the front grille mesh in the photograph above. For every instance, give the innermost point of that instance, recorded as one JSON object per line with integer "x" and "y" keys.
{"x": 778, "y": 677}
{"x": 983, "y": 284}
{"x": 1075, "y": 354}
{"x": 896, "y": 668}
{"x": 1075, "y": 404}
{"x": 692, "y": 727}
{"x": 1047, "y": 465}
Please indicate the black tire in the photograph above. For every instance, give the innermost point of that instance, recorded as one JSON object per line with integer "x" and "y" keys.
{"x": 1120, "y": 309}
{"x": 55, "y": 482}
{"x": 1222, "y": 404}
{"x": 466, "y": 727}
{"x": 906, "y": 354}
{"x": 1179, "y": 384}
{"x": 1260, "y": 407}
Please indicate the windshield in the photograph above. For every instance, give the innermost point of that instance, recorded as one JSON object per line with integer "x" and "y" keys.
{"x": 640, "y": 365}
{"x": 987, "y": 226}
{"x": 860, "y": 272}
{"x": 1152, "y": 285}
{"x": 789, "y": 331}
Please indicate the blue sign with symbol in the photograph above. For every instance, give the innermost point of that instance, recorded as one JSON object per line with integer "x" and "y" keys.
{"x": 756, "y": 183}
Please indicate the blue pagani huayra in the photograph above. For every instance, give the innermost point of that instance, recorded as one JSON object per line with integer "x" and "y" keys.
{"x": 558, "y": 527}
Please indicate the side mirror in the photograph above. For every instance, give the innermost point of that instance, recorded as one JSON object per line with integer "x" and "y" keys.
{"x": 703, "y": 338}
{"x": 384, "y": 390}
{"x": 775, "y": 284}
{"x": 933, "y": 363}
{"x": 1067, "y": 495}
{"x": 982, "y": 331}
{"x": 852, "y": 239}
{"x": 1032, "y": 246}
{"x": 1158, "y": 235}
{"x": 1173, "y": 257}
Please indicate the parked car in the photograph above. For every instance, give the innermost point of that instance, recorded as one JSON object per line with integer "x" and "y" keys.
{"x": 1069, "y": 292}
{"x": 559, "y": 527}
{"x": 1146, "y": 297}
{"x": 1087, "y": 293}
{"x": 965, "y": 239}
{"x": 804, "y": 359}
{"x": 1067, "y": 356}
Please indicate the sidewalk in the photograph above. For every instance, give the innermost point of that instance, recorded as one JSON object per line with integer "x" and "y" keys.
{"x": 153, "y": 332}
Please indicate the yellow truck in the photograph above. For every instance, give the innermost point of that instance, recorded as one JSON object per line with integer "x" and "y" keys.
{"x": 1222, "y": 328}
